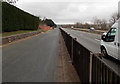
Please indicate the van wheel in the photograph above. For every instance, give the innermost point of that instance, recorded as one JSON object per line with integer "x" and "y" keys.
{"x": 104, "y": 52}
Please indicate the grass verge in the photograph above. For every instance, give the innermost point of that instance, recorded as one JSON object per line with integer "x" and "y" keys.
{"x": 16, "y": 32}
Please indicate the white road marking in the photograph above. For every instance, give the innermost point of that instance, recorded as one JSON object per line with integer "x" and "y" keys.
{"x": 97, "y": 39}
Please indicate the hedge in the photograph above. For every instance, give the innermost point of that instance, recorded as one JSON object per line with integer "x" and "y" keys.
{"x": 0, "y": 17}
{"x": 14, "y": 19}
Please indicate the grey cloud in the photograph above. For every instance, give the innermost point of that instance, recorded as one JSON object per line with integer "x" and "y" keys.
{"x": 69, "y": 12}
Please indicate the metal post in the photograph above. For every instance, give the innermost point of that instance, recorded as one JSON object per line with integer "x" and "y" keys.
{"x": 72, "y": 51}
{"x": 90, "y": 74}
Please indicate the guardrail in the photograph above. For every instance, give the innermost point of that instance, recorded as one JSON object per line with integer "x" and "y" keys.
{"x": 88, "y": 65}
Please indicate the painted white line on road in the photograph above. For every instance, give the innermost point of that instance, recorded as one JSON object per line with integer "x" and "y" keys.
{"x": 97, "y": 39}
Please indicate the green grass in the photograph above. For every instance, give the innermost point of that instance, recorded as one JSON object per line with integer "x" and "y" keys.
{"x": 16, "y": 32}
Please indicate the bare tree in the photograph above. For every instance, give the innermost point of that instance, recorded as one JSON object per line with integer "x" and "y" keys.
{"x": 77, "y": 25}
{"x": 114, "y": 18}
{"x": 104, "y": 24}
{"x": 100, "y": 23}
{"x": 97, "y": 22}
{"x": 11, "y": 1}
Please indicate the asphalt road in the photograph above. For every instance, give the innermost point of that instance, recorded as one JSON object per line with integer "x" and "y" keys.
{"x": 31, "y": 60}
{"x": 92, "y": 43}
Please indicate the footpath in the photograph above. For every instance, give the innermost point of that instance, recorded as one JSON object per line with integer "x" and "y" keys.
{"x": 65, "y": 70}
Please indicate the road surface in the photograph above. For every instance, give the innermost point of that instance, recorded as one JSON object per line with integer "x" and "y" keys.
{"x": 92, "y": 43}
{"x": 31, "y": 60}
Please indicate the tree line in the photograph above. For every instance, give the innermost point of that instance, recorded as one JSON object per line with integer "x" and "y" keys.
{"x": 106, "y": 24}
{"x": 49, "y": 22}
{"x": 98, "y": 23}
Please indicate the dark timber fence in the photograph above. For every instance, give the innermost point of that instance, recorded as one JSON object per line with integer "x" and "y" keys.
{"x": 88, "y": 65}
{"x": 101, "y": 73}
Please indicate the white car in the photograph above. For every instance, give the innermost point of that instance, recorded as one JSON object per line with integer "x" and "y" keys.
{"x": 92, "y": 29}
{"x": 110, "y": 43}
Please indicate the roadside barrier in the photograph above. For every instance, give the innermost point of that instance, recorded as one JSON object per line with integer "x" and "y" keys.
{"x": 102, "y": 73}
{"x": 12, "y": 38}
{"x": 89, "y": 66}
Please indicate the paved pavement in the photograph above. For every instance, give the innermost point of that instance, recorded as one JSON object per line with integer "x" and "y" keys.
{"x": 31, "y": 60}
{"x": 65, "y": 71}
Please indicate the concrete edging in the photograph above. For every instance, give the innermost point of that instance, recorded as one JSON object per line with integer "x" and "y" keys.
{"x": 12, "y": 38}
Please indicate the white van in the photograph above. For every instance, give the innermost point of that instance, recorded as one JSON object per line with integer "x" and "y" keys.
{"x": 110, "y": 43}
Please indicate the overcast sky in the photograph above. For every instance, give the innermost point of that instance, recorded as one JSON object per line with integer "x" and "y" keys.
{"x": 70, "y": 11}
